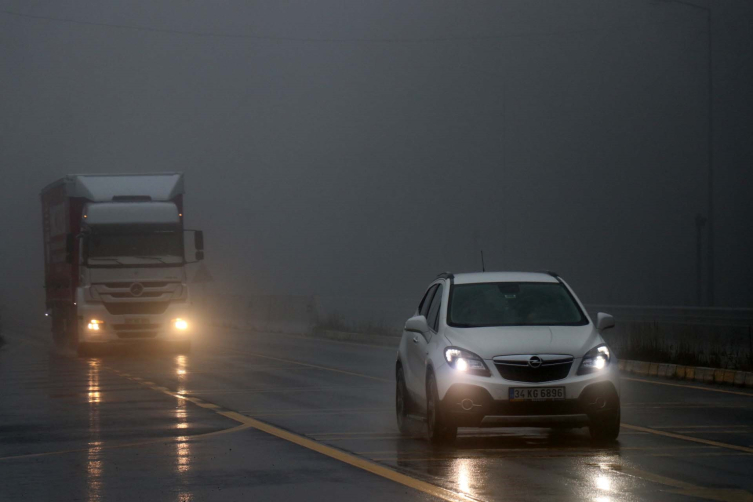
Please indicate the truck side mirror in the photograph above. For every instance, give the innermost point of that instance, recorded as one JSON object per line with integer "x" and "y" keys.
{"x": 198, "y": 239}
{"x": 70, "y": 240}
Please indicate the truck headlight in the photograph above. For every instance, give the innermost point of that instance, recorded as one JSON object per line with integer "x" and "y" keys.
{"x": 465, "y": 361}
{"x": 95, "y": 325}
{"x": 179, "y": 324}
{"x": 595, "y": 360}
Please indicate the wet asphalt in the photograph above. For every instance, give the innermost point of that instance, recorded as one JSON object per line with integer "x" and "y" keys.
{"x": 155, "y": 425}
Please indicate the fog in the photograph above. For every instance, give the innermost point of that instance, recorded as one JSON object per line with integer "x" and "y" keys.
{"x": 358, "y": 148}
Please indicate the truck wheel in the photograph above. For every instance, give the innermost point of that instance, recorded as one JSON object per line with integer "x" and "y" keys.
{"x": 439, "y": 431}
{"x": 402, "y": 402}
{"x": 605, "y": 428}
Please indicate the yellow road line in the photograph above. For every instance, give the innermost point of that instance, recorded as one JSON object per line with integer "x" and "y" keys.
{"x": 697, "y": 387}
{"x": 353, "y": 460}
{"x": 348, "y": 458}
{"x": 688, "y": 438}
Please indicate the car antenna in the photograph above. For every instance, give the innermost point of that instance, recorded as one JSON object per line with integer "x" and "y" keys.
{"x": 483, "y": 267}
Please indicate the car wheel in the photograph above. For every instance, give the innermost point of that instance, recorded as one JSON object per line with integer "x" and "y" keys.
{"x": 606, "y": 427}
{"x": 439, "y": 431}
{"x": 402, "y": 402}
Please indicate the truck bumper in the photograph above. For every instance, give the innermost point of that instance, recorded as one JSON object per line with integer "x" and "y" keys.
{"x": 134, "y": 328}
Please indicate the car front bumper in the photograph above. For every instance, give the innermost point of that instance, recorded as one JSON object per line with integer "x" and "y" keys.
{"x": 476, "y": 401}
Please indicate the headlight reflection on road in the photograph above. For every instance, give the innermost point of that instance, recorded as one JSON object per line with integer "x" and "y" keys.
{"x": 180, "y": 362}
{"x": 603, "y": 482}
{"x": 182, "y": 447}
{"x": 183, "y": 452}
{"x": 93, "y": 387}
{"x": 94, "y": 465}
{"x": 463, "y": 474}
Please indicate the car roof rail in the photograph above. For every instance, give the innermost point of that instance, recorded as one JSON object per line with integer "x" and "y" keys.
{"x": 446, "y": 275}
{"x": 553, "y": 274}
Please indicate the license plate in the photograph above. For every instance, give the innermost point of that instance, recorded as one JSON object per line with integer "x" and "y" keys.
{"x": 536, "y": 393}
{"x": 136, "y": 320}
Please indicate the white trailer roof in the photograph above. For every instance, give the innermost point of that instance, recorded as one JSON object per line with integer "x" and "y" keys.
{"x": 108, "y": 187}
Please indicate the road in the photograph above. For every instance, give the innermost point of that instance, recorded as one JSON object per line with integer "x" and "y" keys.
{"x": 262, "y": 416}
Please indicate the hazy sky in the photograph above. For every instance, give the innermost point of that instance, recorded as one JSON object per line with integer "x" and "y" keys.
{"x": 360, "y": 147}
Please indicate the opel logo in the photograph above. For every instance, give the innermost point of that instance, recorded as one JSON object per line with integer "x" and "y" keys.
{"x": 137, "y": 289}
{"x": 534, "y": 362}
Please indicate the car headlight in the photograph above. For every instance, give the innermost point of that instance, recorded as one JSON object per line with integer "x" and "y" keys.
{"x": 595, "y": 360}
{"x": 179, "y": 324}
{"x": 95, "y": 325}
{"x": 467, "y": 362}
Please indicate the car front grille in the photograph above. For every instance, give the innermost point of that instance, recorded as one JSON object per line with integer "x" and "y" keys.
{"x": 551, "y": 369}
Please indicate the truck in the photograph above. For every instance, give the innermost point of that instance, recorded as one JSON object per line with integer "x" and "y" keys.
{"x": 115, "y": 260}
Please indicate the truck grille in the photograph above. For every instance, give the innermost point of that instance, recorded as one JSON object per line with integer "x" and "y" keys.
{"x": 518, "y": 370}
{"x": 135, "y": 327}
{"x": 114, "y": 292}
{"x": 137, "y": 334}
{"x": 125, "y": 308}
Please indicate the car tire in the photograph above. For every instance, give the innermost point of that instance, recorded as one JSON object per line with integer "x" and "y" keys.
{"x": 438, "y": 430}
{"x": 605, "y": 428}
{"x": 402, "y": 402}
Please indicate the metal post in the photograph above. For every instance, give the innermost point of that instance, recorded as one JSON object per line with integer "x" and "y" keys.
{"x": 710, "y": 242}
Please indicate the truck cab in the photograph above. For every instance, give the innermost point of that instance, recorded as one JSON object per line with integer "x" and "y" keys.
{"x": 121, "y": 278}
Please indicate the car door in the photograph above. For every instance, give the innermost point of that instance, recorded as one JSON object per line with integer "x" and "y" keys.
{"x": 419, "y": 348}
{"x": 413, "y": 343}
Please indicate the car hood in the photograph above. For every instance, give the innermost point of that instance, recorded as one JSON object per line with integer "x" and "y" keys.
{"x": 510, "y": 340}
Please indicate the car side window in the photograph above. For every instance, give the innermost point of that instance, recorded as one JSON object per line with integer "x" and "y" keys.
{"x": 423, "y": 308}
{"x": 433, "y": 317}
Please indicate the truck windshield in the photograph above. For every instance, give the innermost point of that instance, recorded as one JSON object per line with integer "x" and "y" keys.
{"x": 143, "y": 241}
{"x": 513, "y": 304}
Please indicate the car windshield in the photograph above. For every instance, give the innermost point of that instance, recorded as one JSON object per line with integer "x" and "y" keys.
{"x": 136, "y": 241}
{"x": 513, "y": 304}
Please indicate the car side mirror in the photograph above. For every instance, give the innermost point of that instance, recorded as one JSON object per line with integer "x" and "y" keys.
{"x": 198, "y": 239}
{"x": 417, "y": 324}
{"x": 70, "y": 240}
{"x": 604, "y": 321}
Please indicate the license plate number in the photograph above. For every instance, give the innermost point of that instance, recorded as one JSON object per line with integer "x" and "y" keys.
{"x": 536, "y": 393}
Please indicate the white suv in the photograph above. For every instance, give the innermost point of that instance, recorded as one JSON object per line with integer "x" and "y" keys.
{"x": 506, "y": 349}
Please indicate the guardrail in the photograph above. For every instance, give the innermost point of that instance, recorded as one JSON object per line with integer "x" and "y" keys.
{"x": 707, "y": 316}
